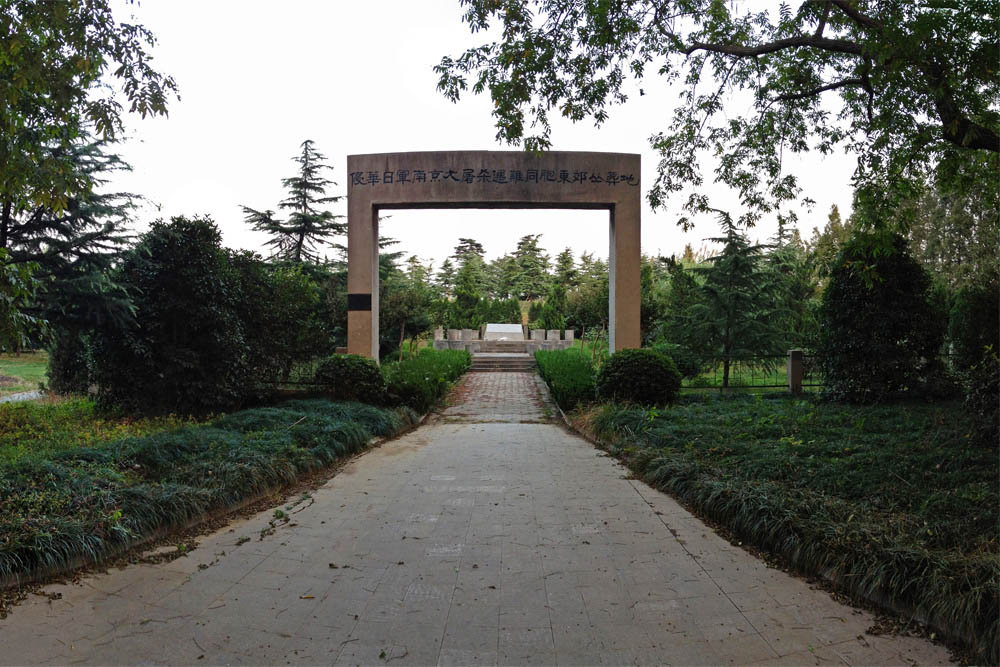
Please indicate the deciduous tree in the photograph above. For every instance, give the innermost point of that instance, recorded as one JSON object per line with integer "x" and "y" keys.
{"x": 54, "y": 56}
{"x": 907, "y": 87}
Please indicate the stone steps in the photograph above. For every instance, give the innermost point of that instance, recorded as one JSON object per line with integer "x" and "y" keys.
{"x": 502, "y": 346}
{"x": 504, "y": 363}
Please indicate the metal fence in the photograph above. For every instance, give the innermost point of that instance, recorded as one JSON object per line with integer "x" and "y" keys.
{"x": 758, "y": 372}
{"x": 771, "y": 372}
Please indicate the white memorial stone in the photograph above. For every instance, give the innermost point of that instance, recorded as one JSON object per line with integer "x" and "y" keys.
{"x": 504, "y": 332}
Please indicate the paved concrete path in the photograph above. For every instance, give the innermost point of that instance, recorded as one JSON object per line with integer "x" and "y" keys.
{"x": 489, "y": 536}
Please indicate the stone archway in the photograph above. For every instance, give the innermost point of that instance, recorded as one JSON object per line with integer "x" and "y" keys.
{"x": 492, "y": 179}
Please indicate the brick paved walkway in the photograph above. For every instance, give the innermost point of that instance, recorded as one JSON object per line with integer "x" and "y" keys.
{"x": 468, "y": 541}
{"x": 515, "y": 398}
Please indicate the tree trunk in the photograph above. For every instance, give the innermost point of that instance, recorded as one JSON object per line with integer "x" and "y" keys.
{"x": 402, "y": 337}
{"x": 5, "y": 223}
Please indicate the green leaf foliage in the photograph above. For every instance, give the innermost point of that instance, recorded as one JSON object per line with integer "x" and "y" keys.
{"x": 212, "y": 327}
{"x": 880, "y": 335}
{"x": 569, "y": 375}
{"x": 419, "y": 383}
{"x": 54, "y": 58}
{"x": 351, "y": 377}
{"x": 640, "y": 376}
{"x": 982, "y": 399}
{"x": 974, "y": 322}
{"x": 908, "y": 87}
{"x": 737, "y": 316}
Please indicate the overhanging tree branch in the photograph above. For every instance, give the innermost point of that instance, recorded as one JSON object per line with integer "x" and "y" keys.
{"x": 810, "y": 41}
{"x": 847, "y": 6}
{"x": 853, "y": 81}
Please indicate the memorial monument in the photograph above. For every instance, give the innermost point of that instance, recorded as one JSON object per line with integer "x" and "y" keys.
{"x": 492, "y": 179}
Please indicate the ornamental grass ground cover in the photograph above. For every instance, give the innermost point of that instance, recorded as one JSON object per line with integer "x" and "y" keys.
{"x": 894, "y": 502}
{"x": 72, "y": 486}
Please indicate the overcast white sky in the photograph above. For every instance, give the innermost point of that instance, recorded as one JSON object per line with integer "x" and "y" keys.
{"x": 257, "y": 78}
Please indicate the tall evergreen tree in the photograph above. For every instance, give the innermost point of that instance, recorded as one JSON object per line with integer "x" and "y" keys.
{"x": 531, "y": 266}
{"x": 735, "y": 321}
{"x": 468, "y": 294}
{"x": 73, "y": 248}
{"x": 825, "y": 245}
{"x": 71, "y": 251}
{"x": 299, "y": 236}
{"x": 446, "y": 277}
{"x": 565, "y": 268}
{"x": 501, "y": 276}
{"x": 467, "y": 247}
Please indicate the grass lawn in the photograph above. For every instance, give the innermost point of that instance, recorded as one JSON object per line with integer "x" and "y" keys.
{"x": 41, "y": 429}
{"x": 22, "y": 372}
{"x": 893, "y": 502}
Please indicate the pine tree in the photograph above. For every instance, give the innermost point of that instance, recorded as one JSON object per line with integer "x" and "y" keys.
{"x": 736, "y": 319}
{"x": 299, "y": 237}
{"x": 468, "y": 294}
{"x": 72, "y": 251}
{"x": 501, "y": 276}
{"x": 446, "y": 277}
{"x": 826, "y": 245}
{"x": 688, "y": 257}
{"x": 566, "y": 272}
{"x": 531, "y": 268}
{"x": 467, "y": 247}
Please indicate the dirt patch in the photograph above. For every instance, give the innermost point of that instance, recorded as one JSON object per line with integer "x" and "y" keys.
{"x": 7, "y": 381}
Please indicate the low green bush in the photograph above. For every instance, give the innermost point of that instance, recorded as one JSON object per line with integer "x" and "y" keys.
{"x": 893, "y": 502}
{"x": 420, "y": 382}
{"x": 60, "y": 504}
{"x": 569, "y": 376}
{"x": 351, "y": 377}
{"x": 640, "y": 376}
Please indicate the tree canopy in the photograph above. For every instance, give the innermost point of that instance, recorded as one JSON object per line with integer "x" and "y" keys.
{"x": 53, "y": 56}
{"x": 915, "y": 85}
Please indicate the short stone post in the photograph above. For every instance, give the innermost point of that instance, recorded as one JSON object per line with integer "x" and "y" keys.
{"x": 538, "y": 334}
{"x": 439, "y": 333}
{"x": 470, "y": 334}
{"x": 553, "y": 334}
{"x": 454, "y": 334}
{"x": 794, "y": 371}
{"x": 570, "y": 335}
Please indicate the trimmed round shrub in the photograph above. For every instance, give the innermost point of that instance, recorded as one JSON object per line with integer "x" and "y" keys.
{"x": 640, "y": 376}
{"x": 351, "y": 377}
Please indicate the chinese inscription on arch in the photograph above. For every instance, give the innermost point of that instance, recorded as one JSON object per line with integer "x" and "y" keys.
{"x": 498, "y": 176}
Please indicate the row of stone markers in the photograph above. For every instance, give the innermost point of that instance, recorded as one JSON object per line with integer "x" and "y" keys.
{"x": 484, "y": 341}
